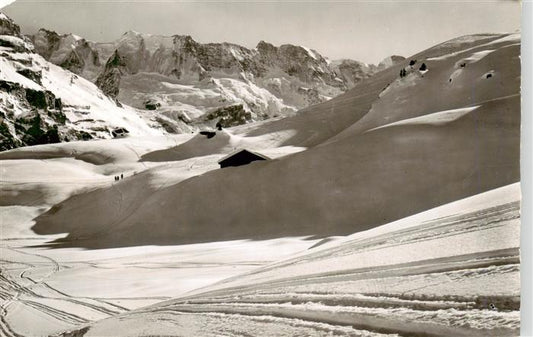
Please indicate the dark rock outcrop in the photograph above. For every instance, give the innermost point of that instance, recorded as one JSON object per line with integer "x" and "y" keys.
{"x": 151, "y": 105}
{"x": 8, "y": 27}
{"x": 32, "y": 128}
{"x": 33, "y": 75}
{"x": 109, "y": 80}
{"x": 229, "y": 116}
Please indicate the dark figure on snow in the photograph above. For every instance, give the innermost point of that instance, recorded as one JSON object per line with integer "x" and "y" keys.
{"x": 121, "y": 176}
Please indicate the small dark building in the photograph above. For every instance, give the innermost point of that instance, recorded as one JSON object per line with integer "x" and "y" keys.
{"x": 119, "y": 132}
{"x": 241, "y": 157}
{"x": 208, "y": 134}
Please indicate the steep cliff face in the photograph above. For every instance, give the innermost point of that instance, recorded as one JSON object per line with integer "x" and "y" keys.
{"x": 109, "y": 79}
{"x": 303, "y": 63}
{"x": 44, "y": 103}
{"x": 185, "y": 59}
{"x": 68, "y": 51}
{"x": 39, "y": 121}
{"x": 8, "y": 27}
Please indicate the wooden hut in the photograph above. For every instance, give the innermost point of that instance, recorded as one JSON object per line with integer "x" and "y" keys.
{"x": 241, "y": 157}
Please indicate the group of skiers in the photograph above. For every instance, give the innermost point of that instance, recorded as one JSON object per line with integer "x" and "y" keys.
{"x": 120, "y": 177}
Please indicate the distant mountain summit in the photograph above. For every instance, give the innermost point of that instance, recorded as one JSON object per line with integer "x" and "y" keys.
{"x": 68, "y": 51}
{"x": 352, "y": 72}
{"x": 390, "y": 61}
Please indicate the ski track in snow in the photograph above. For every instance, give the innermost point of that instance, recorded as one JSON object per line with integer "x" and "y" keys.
{"x": 325, "y": 293}
{"x": 448, "y": 296}
{"x": 62, "y": 289}
{"x": 333, "y": 289}
{"x": 27, "y": 288}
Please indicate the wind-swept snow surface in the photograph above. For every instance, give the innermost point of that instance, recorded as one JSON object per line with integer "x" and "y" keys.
{"x": 450, "y": 271}
{"x": 48, "y": 291}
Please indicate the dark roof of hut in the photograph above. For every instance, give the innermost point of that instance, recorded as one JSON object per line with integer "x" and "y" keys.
{"x": 242, "y": 150}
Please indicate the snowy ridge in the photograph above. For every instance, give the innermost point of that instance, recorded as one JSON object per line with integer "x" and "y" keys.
{"x": 436, "y": 118}
{"x": 79, "y": 92}
{"x": 311, "y": 52}
{"x": 5, "y": 3}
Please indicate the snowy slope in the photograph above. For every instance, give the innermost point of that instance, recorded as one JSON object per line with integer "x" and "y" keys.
{"x": 57, "y": 289}
{"x": 192, "y": 103}
{"x": 81, "y": 99}
{"x": 363, "y": 176}
{"x": 452, "y": 270}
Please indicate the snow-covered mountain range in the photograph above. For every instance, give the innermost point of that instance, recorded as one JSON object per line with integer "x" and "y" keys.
{"x": 190, "y": 83}
{"x": 176, "y": 84}
{"x": 172, "y": 83}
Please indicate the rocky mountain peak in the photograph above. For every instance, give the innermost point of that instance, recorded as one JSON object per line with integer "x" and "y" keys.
{"x": 131, "y": 32}
{"x": 186, "y": 43}
{"x": 351, "y": 71}
{"x": 67, "y": 50}
{"x": 265, "y": 47}
{"x": 8, "y": 26}
{"x": 300, "y": 52}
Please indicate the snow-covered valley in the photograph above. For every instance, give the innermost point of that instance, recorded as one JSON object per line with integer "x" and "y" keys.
{"x": 392, "y": 209}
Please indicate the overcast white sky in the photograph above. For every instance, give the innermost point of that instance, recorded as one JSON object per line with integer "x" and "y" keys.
{"x": 363, "y": 30}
